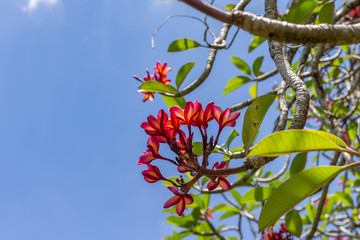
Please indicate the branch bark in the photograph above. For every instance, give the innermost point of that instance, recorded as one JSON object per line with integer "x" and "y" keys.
{"x": 337, "y": 34}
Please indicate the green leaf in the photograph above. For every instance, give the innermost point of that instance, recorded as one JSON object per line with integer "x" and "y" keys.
{"x": 204, "y": 180}
{"x": 345, "y": 198}
{"x": 154, "y": 86}
{"x": 311, "y": 211}
{"x": 305, "y": 182}
{"x": 174, "y": 101}
{"x": 298, "y": 164}
{"x": 179, "y": 236}
{"x": 228, "y": 214}
{"x": 241, "y": 64}
{"x": 179, "y": 221}
{"x": 198, "y": 148}
{"x": 301, "y": 11}
{"x": 235, "y": 83}
{"x": 351, "y": 128}
{"x": 290, "y": 141}
{"x": 293, "y": 223}
{"x": 206, "y": 200}
{"x": 236, "y": 195}
{"x": 183, "y": 44}
{"x": 183, "y": 72}
{"x": 256, "y": 66}
{"x": 256, "y": 41}
{"x": 253, "y": 118}
{"x": 196, "y": 214}
{"x": 326, "y": 13}
{"x": 358, "y": 129}
{"x": 230, "y": 7}
{"x": 257, "y": 194}
{"x": 253, "y": 90}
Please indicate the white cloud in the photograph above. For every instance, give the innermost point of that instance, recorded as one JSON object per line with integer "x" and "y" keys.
{"x": 32, "y": 5}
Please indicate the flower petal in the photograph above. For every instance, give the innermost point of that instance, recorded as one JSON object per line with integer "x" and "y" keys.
{"x": 182, "y": 169}
{"x": 152, "y": 174}
{"x": 153, "y": 145}
{"x": 224, "y": 184}
{"x": 211, "y": 185}
{"x": 146, "y": 157}
{"x": 175, "y": 190}
{"x": 216, "y": 112}
{"x": 188, "y": 199}
{"x": 177, "y": 112}
{"x": 172, "y": 201}
{"x": 180, "y": 207}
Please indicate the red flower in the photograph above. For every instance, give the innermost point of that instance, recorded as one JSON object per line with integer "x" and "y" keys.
{"x": 187, "y": 115}
{"x": 225, "y": 118}
{"x": 162, "y": 70}
{"x": 207, "y": 213}
{"x": 339, "y": 238}
{"x": 182, "y": 169}
{"x": 157, "y": 126}
{"x": 152, "y": 174}
{"x": 152, "y": 153}
{"x": 180, "y": 200}
{"x": 148, "y": 95}
{"x": 283, "y": 234}
{"x": 219, "y": 180}
{"x": 204, "y": 116}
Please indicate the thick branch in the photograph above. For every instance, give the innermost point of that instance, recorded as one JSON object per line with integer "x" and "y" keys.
{"x": 279, "y": 31}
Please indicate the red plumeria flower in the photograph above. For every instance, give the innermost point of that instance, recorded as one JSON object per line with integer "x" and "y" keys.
{"x": 204, "y": 116}
{"x": 180, "y": 200}
{"x": 162, "y": 70}
{"x": 325, "y": 203}
{"x": 152, "y": 153}
{"x": 182, "y": 169}
{"x": 152, "y": 174}
{"x": 157, "y": 126}
{"x": 188, "y": 114}
{"x": 283, "y": 234}
{"x": 225, "y": 118}
{"x": 208, "y": 213}
{"x": 148, "y": 95}
{"x": 339, "y": 238}
{"x": 146, "y": 157}
{"x": 224, "y": 184}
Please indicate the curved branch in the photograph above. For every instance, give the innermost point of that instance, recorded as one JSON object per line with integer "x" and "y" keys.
{"x": 212, "y": 54}
{"x": 279, "y": 31}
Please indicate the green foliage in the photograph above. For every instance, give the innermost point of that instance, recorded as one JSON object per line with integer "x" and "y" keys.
{"x": 253, "y": 90}
{"x": 286, "y": 142}
{"x": 253, "y": 118}
{"x": 154, "y": 86}
{"x": 183, "y": 72}
{"x": 256, "y": 41}
{"x": 241, "y": 64}
{"x": 301, "y": 11}
{"x": 182, "y": 45}
{"x": 298, "y": 164}
{"x": 235, "y": 83}
{"x": 257, "y": 194}
{"x": 305, "y": 182}
{"x": 256, "y": 66}
{"x": 293, "y": 223}
{"x": 326, "y": 13}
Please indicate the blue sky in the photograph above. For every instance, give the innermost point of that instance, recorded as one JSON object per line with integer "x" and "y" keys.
{"x": 70, "y": 115}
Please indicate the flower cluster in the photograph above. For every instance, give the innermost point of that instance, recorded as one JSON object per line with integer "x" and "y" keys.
{"x": 160, "y": 75}
{"x": 283, "y": 234}
{"x": 353, "y": 14}
{"x": 176, "y": 131}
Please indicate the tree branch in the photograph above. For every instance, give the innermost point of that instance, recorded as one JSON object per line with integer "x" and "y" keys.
{"x": 337, "y": 34}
